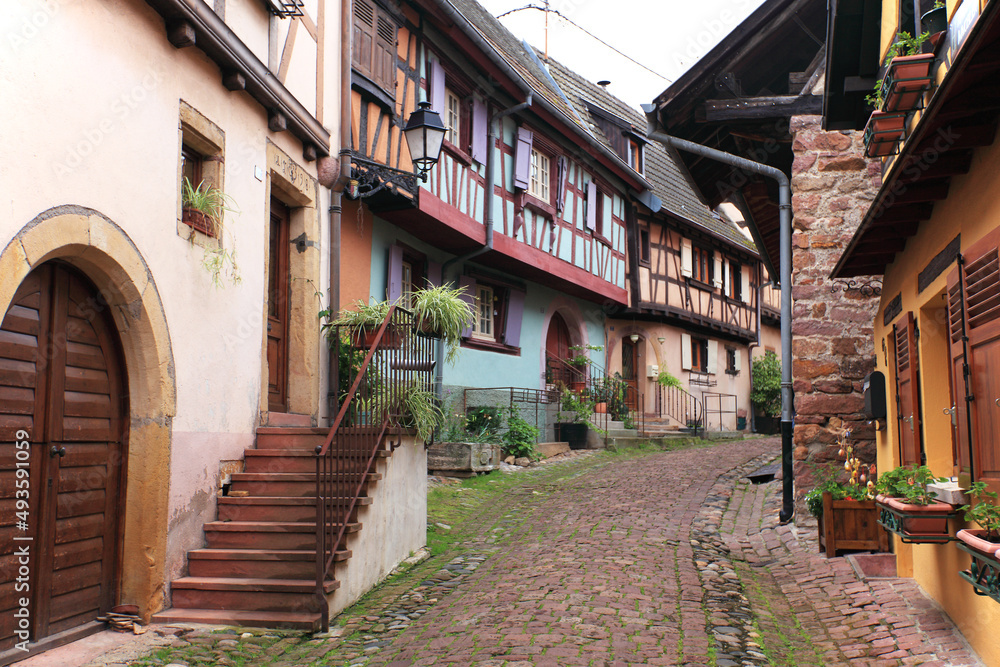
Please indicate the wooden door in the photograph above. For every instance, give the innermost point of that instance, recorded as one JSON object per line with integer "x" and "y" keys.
{"x": 907, "y": 391}
{"x": 277, "y": 309}
{"x": 557, "y": 344}
{"x": 63, "y": 422}
{"x": 630, "y": 370}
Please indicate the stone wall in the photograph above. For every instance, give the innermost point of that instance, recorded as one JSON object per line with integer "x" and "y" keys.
{"x": 832, "y": 186}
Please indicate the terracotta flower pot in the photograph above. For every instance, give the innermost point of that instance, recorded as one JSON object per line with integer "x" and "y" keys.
{"x": 933, "y": 524}
{"x": 906, "y": 80}
{"x": 601, "y": 408}
{"x": 976, "y": 539}
{"x": 365, "y": 338}
{"x": 882, "y": 133}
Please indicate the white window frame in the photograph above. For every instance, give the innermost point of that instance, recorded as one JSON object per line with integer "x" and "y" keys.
{"x": 406, "y": 285}
{"x": 483, "y": 324}
{"x": 541, "y": 171}
{"x": 453, "y": 117}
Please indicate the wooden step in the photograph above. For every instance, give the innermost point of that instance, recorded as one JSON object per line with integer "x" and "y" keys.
{"x": 291, "y": 485}
{"x": 248, "y": 594}
{"x": 281, "y": 509}
{"x": 265, "y": 534}
{"x": 256, "y": 563}
{"x": 308, "y": 621}
{"x": 296, "y": 460}
{"x": 269, "y": 437}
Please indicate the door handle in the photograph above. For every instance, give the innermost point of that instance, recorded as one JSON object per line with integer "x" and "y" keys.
{"x": 950, "y": 411}
{"x": 57, "y": 451}
{"x": 909, "y": 419}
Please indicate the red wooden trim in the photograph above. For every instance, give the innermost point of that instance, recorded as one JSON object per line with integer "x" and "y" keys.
{"x": 432, "y": 205}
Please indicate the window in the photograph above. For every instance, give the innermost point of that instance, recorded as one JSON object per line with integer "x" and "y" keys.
{"x": 374, "y": 54}
{"x": 407, "y": 285}
{"x": 453, "y": 117}
{"x": 539, "y": 184}
{"x": 482, "y": 326}
{"x": 635, "y": 155}
{"x": 734, "y": 282}
{"x": 594, "y": 219}
{"x": 702, "y": 265}
{"x": 191, "y": 164}
{"x": 498, "y": 309}
{"x": 699, "y": 355}
{"x": 200, "y": 165}
{"x": 733, "y": 361}
{"x": 644, "y": 250}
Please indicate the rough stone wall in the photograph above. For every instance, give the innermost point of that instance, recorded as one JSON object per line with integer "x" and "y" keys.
{"x": 833, "y": 185}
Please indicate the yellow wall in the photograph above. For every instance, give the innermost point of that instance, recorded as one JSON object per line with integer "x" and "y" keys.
{"x": 972, "y": 210}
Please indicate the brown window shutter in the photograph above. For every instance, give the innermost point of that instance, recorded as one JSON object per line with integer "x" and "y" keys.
{"x": 364, "y": 36}
{"x": 961, "y": 443}
{"x": 384, "y": 67}
{"x": 907, "y": 383}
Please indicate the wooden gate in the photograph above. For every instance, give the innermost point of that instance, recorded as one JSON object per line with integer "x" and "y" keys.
{"x": 63, "y": 425}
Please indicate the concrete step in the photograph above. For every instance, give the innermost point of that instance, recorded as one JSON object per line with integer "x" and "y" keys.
{"x": 264, "y": 508}
{"x": 265, "y": 535}
{"x": 286, "y": 419}
{"x": 256, "y": 563}
{"x": 308, "y": 621}
{"x": 248, "y": 594}
{"x": 290, "y": 485}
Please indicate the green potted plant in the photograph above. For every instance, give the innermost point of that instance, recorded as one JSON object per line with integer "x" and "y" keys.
{"x": 442, "y": 312}
{"x": 908, "y": 73}
{"x": 908, "y": 508}
{"x": 362, "y": 322}
{"x": 985, "y": 539}
{"x": 204, "y": 206}
{"x": 572, "y": 422}
{"x": 765, "y": 392}
{"x": 665, "y": 379}
{"x": 580, "y": 361}
{"x": 935, "y": 21}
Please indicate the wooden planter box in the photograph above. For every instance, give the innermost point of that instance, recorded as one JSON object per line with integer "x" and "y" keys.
{"x": 850, "y": 525}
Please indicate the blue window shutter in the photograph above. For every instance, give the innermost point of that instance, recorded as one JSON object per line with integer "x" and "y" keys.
{"x": 470, "y": 298}
{"x": 522, "y": 158}
{"x": 394, "y": 281}
{"x": 434, "y": 274}
{"x": 591, "y": 221}
{"x": 515, "y": 314}
{"x": 479, "y": 130}
{"x": 437, "y": 88}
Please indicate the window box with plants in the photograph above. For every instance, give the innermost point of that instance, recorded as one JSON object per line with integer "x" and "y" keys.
{"x": 982, "y": 544}
{"x": 907, "y": 77}
{"x": 845, "y": 510}
{"x": 362, "y": 323}
{"x": 908, "y": 508}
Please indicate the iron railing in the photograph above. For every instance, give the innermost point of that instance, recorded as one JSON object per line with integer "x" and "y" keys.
{"x": 622, "y": 401}
{"x": 381, "y": 371}
{"x": 678, "y": 404}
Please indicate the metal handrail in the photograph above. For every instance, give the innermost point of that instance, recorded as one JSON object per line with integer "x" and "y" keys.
{"x": 676, "y": 403}
{"x": 396, "y": 359}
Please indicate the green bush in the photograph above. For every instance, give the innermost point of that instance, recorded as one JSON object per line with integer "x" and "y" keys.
{"x": 766, "y": 393}
{"x": 519, "y": 440}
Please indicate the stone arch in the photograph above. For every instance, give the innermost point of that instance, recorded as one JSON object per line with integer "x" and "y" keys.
{"x": 100, "y": 248}
{"x": 575, "y": 322}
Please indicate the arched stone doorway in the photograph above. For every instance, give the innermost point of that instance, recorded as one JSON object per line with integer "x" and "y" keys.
{"x": 100, "y": 253}
{"x": 63, "y": 425}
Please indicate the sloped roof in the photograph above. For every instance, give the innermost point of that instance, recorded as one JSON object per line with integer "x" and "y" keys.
{"x": 670, "y": 181}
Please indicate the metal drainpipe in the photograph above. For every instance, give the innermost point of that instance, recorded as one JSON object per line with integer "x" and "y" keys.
{"x": 785, "y": 269}
{"x": 337, "y": 190}
{"x": 488, "y": 221}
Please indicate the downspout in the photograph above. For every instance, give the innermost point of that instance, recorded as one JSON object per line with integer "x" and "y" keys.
{"x": 785, "y": 269}
{"x": 335, "y": 174}
{"x": 487, "y": 220}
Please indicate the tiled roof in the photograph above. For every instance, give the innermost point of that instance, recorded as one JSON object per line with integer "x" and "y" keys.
{"x": 664, "y": 172}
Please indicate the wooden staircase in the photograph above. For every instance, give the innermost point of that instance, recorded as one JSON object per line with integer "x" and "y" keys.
{"x": 259, "y": 564}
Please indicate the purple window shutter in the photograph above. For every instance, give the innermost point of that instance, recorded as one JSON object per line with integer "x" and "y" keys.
{"x": 479, "y": 130}
{"x": 591, "y": 222}
{"x": 515, "y": 313}
{"x": 562, "y": 172}
{"x": 522, "y": 158}
{"x": 434, "y": 274}
{"x": 437, "y": 88}
{"x": 470, "y": 298}
{"x": 394, "y": 281}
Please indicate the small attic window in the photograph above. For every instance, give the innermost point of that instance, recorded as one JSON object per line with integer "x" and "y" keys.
{"x": 635, "y": 155}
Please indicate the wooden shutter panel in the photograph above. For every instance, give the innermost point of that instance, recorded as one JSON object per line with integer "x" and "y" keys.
{"x": 562, "y": 174}
{"x": 385, "y": 53}
{"x": 364, "y": 36}
{"x": 908, "y": 410}
{"x": 686, "y": 351}
{"x": 434, "y": 274}
{"x": 468, "y": 296}
{"x": 961, "y": 438}
{"x": 394, "y": 279}
{"x": 437, "y": 88}
{"x": 686, "y": 262}
{"x": 726, "y": 278}
{"x": 480, "y": 129}
{"x": 522, "y": 158}
{"x": 745, "y": 284}
{"x": 515, "y": 314}
{"x": 717, "y": 272}
{"x": 713, "y": 356}
{"x": 982, "y": 316}
{"x": 591, "y": 219}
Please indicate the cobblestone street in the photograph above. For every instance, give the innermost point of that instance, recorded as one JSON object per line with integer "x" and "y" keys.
{"x": 655, "y": 558}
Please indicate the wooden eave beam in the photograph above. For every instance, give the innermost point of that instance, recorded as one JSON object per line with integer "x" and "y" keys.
{"x": 762, "y": 108}
{"x": 904, "y": 213}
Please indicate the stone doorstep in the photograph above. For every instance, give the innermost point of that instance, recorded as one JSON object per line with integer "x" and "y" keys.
{"x": 547, "y": 450}
{"x": 873, "y": 566}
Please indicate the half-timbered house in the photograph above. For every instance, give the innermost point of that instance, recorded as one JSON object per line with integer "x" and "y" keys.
{"x": 695, "y": 281}
{"x": 933, "y": 236}
{"x": 526, "y": 208}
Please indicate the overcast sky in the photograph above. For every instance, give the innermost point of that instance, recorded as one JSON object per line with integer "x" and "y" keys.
{"x": 667, "y": 36}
